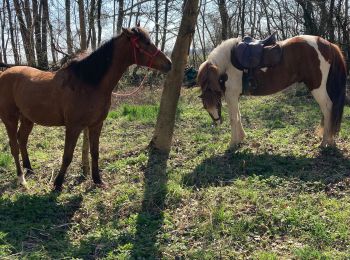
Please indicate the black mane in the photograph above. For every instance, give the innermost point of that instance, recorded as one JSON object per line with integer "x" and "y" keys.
{"x": 93, "y": 68}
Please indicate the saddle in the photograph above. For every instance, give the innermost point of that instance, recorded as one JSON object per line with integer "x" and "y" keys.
{"x": 250, "y": 55}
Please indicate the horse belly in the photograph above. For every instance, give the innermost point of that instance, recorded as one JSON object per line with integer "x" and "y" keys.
{"x": 42, "y": 115}
{"x": 40, "y": 109}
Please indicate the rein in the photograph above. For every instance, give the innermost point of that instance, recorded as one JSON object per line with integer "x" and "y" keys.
{"x": 134, "y": 91}
{"x": 135, "y": 45}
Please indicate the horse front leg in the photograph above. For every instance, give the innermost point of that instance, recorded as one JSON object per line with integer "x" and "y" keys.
{"x": 25, "y": 129}
{"x": 94, "y": 138}
{"x": 237, "y": 131}
{"x": 72, "y": 134}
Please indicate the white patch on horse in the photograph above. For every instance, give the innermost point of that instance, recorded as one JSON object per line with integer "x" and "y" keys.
{"x": 21, "y": 180}
{"x": 221, "y": 57}
{"x": 320, "y": 93}
{"x": 264, "y": 69}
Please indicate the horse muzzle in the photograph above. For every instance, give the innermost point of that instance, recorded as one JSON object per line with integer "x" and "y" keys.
{"x": 217, "y": 121}
{"x": 167, "y": 66}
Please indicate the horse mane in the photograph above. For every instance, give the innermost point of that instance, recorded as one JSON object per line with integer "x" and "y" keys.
{"x": 221, "y": 55}
{"x": 92, "y": 68}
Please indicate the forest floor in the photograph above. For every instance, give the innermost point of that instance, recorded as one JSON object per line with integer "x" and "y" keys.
{"x": 276, "y": 196}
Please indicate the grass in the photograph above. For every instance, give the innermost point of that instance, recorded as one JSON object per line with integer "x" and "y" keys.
{"x": 276, "y": 196}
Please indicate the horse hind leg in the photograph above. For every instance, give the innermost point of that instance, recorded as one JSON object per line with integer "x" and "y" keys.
{"x": 325, "y": 104}
{"x": 11, "y": 128}
{"x": 22, "y": 136}
{"x": 72, "y": 135}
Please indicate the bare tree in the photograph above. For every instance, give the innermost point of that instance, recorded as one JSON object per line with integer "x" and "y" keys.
{"x": 224, "y": 19}
{"x": 83, "y": 46}
{"x": 26, "y": 33}
{"x": 68, "y": 28}
{"x": 166, "y": 118}
{"x": 12, "y": 34}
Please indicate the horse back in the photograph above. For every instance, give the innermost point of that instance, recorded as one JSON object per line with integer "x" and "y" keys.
{"x": 303, "y": 60}
{"x": 34, "y": 93}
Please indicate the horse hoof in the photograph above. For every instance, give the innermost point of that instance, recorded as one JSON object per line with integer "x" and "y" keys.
{"x": 21, "y": 181}
{"x": 29, "y": 172}
{"x": 326, "y": 144}
{"x": 102, "y": 185}
{"x": 57, "y": 188}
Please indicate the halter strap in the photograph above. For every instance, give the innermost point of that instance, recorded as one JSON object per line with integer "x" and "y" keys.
{"x": 135, "y": 45}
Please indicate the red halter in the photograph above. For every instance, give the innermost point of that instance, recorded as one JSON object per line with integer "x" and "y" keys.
{"x": 136, "y": 45}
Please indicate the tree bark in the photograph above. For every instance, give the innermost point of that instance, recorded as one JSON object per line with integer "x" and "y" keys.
{"x": 156, "y": 3}
{"x": 164, "y": 129}
{"x": 309, "y": 23}
{"x": 91, "y": 37}
{"x": 165, "y": 24}
{"x": 82, "y": 26}
{"x": 37, "y": 31}
{"x": 68, "y": 29}
{"x": 83, "y": 46}
{"x": 26, "y": 35}
{"x": 243, "y": 18}
{"x": 45, "y": 22}
{"x": 224, "y": 19}
{"x": 12, "y": 30}
{"x": 3, "y": 53}
{"x": 99, "y": 27}
{"x": 120, "y": 16}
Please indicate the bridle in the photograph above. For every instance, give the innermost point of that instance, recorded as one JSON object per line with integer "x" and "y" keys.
{"x": 136, "y": 46}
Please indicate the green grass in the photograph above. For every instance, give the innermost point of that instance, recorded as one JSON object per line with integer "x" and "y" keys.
{"x": 276, "y": 196}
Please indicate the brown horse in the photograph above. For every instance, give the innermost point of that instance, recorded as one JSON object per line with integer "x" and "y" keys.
{"x": 308, "y": 59}
{"x": 76, "y": 96}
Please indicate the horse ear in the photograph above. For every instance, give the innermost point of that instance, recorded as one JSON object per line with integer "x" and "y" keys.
{"x": 127, "y": 32}
{"x": 138, "y": 23}
{"x": 203, "y": 76}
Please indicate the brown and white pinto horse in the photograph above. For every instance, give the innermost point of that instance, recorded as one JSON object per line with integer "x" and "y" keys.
{"x": 308, "y": 59}
{"x": 76, "y": 96}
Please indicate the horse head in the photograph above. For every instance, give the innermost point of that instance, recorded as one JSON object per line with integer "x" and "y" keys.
{"x": 213, "y": 89}
{"x": 145, "y": 53}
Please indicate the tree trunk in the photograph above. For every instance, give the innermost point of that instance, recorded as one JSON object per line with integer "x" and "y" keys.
{"x": 224, "y": 19}
{"x": 68, "y": 29}
{"x": 3, "y": 52}
{"x": 12, "y": 36}
{"x": 26, "y": 35}
{"x": 164, "y": 129}
{"x": 165, "y": 24}
{"x": 45, "y": 22}
{"x": 156, "y": 3}
{"x": 120, "y": 16}
{"x": 99, "y": 27}
{"x": 243, "y": 18}
{"x": 309, "y": 23}
{"x": 37, "y": 31}
{"x": 91, "y": 36}
{"x": 82, "y": 26}
{"x": 83, "y": 45}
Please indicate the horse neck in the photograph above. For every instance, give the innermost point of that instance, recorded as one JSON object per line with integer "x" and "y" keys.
{"x": 221, "y": 55}
{"x": 122, "y": 59}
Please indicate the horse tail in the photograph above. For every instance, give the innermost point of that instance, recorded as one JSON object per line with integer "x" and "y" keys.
{"x": 336, "y": 86}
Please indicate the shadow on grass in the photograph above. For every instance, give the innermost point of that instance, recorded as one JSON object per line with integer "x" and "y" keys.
{"x": 151, "y": 217}
{"x": 35, "y": 226}
{"x": 329, "y": 166}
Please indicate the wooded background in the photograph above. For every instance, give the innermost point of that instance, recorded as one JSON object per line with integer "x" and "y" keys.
{"x": 42, "y": 32}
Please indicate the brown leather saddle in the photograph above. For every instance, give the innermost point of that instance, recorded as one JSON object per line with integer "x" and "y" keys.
{"x": 250, "y": 55}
